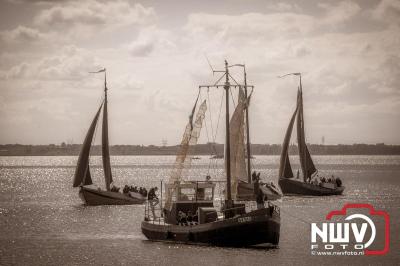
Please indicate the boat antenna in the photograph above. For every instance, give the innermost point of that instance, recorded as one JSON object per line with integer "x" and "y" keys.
{"x": 212, "y": 69}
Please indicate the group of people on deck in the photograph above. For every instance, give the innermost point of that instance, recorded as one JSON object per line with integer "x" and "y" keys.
{"x": 188, "y": 218}
{"x": 141, "y": 190}
{"x": 320, "y": 180}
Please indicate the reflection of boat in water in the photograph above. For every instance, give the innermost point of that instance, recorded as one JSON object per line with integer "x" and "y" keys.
{"x": 83, "y": 179}
{"x": 309, "y": 185}
{"x": 189, "y": 215}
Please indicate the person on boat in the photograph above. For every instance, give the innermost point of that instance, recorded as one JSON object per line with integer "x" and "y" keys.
{"x": 260, "y": 199}
{"x": 196, "y": 217}
{"x": 153, "y": 200}
{"x": 298, "y": 174}
{"x": 125, "y": 190}
{"x": 189, "y": 217}
{"x": 254, "y": 176}
{"x": 115, "y": 188}
{"x": 182, "y": 219}
{"x": 257, "y": 191}
{"x": 144, "y": 192}
{"x": 338, "y": 182}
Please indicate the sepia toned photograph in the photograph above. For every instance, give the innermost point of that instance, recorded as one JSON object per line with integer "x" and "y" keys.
{"x": 233, "y": 132}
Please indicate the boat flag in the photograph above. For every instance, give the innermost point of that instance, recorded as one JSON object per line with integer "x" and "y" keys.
{"x": 101, "y": 70}
{"x": 192, "y": 113}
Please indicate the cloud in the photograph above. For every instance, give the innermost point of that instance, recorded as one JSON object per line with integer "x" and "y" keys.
{"x": 22, "y": 34}
{"x": 283, "y": 7}
{"x": 70, "y": 63}
{"x": 250, "y": 25}
{"x": 388, "y": 11}
{"x": 342, "y": 12}
{"x": 150, "y": 39}
{"x": 95, "y": 13}
{"x": 155, "y": 63}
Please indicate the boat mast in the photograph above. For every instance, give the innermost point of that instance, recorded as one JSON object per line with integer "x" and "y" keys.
{"x": 302, "y": 125}
{"x": 226, "y": 86}
{"x": 228, "y": 202}
{"x": 247, "y": 127}
{"x": 105, "y": 141}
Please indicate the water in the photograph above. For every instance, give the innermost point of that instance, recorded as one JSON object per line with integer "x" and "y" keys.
{"x": 42, "y": 220}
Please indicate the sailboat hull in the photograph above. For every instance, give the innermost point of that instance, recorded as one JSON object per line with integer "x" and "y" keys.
{"x": 245, "y": 191}
{"x": 254, "y": 228}
{"x": 291, "y": 186}
{"x": 94, "y": 197}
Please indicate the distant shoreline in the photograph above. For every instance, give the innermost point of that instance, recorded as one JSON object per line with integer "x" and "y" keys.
{"x": 197, "y": 150}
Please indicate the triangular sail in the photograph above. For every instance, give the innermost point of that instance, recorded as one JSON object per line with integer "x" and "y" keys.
{"x": 307, "y": 165}
{"x": 82, "y": 167}
{"x": 190, "y": 137}
{"x": 285, "y": 169}
{"x": 105, "y": 148}
{"x": 88, "y": 179}
{"x": 236, "y": 132}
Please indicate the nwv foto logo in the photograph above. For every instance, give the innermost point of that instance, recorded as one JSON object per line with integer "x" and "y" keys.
{"x": 336, "y": 237}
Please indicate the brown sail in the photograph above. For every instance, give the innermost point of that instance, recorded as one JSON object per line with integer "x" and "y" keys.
{"x": 82, "y": 173}
{"x": 285, "y": 169}
{"x": 307, "y": 164}
{"x": 105, "y": 146}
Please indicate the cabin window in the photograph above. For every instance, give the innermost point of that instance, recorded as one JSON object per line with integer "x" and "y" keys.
{"x": 187, "y": 194}
{"x": 204, "y": 194}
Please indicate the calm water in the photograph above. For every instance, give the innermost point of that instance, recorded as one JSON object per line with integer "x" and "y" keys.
{"x": 42, "y": 220}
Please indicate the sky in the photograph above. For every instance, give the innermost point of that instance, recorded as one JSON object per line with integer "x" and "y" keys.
{"x": 155, "y": 53}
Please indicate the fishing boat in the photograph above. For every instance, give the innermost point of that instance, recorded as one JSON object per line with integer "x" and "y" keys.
{"x": 310, "y": 184}
{"x": 90, "y": 194}
{"x": 189, "y": 215}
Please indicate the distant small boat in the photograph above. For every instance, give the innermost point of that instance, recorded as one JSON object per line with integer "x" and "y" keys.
{"x": 83, "y": 179}
{"x": 287, "y": 182}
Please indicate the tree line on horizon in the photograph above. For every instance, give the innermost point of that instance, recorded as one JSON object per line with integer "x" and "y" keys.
{"x": 199, "y": 149}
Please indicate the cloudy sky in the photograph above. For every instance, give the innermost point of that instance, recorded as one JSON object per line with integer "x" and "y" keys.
{"x": 155, "y": 55}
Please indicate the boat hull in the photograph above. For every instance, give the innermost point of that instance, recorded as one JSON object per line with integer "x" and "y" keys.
{"x": 254, "y": 228}
{"x": 291, "y": 186}
{"x": 94, "y": 197}
{"x": 245, "y": 191}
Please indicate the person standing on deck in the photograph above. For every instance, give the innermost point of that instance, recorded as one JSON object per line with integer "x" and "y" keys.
{"x": 257, "y": 191}
{"x": 153, "y": 200}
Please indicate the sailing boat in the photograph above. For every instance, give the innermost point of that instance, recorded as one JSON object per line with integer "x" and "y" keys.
{"x": 309, "y": 185}
{"x": 233, "y": 225}
{"x": 242, "y": 186}
{"x": 83, "y": 179}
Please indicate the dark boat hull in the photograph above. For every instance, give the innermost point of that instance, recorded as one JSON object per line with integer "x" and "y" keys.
{"x": 290, "y": 186}
{"x": 245, "y": 191}
{"x": 254, "y": 228}
{"x": 94, "y": 197}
